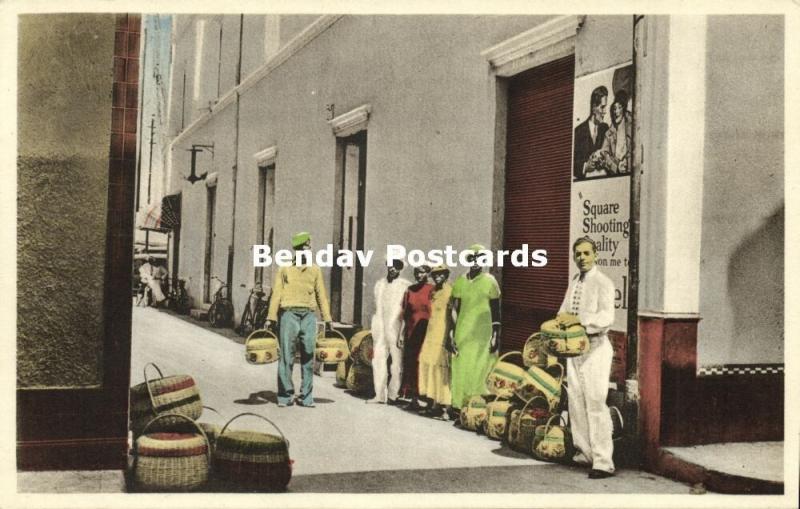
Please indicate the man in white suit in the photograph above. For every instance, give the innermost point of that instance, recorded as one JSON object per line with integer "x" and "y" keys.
{"x": 590, "y": 297}
{"x": 386, "y": 325}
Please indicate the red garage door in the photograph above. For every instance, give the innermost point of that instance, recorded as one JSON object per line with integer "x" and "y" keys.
{"x": 537, "y": 195}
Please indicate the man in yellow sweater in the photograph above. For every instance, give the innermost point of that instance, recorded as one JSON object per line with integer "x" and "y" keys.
{"x": 298, "y": 291}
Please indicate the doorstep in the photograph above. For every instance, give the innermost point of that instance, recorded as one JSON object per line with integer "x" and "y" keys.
{"x": 737, "y": 467}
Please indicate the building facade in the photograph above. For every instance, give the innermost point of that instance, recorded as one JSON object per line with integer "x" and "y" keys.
{"x": 430, "y": 131}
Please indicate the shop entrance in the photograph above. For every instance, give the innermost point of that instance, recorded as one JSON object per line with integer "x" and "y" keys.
{"x": 351, "y": 174}
{"x": 537, "y": 194}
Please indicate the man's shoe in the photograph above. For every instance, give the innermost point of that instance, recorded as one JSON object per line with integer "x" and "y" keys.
{"x": 599, "y": 474}
{"x": 375, "y": 400}
{"x": 281, "y": 405}
{"x": 392, "y": 402}
{"x": 306, "y": 405}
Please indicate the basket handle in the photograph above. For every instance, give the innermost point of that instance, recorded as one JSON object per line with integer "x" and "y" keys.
{"x": 536, "y": 337}
{"x": 161, "y": 416}
{"x": 561, "y": 376}
{"x": 321, "y": 333}
{"x": 507, "y": 354}
{"x": 259, "y": 331}
{"x": 549, "y": 425}
{"x": 538, "y": 396}
{"x": 255, "y": 415}
{"x": 212, "y": 409}
{"x": 147, "y": 384}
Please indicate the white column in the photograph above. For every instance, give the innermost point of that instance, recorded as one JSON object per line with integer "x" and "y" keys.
{"x": 684, "y": 171}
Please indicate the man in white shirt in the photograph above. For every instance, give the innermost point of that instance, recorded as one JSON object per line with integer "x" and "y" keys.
{"x": 590, "y": 297}
{"x": 386, "y": 325}
{"x": 152, "y": 275}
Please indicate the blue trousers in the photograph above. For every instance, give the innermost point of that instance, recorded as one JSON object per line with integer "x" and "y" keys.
{"x": 297, "y": 326}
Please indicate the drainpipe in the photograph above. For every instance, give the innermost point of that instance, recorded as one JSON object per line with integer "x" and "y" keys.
{"x": 235, "y": 168}
{"x": 635, "y": 202}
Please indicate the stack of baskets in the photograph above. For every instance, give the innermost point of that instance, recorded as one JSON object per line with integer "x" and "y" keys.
{"x": 173, "y": 452}
{"x": 357, "y": 374}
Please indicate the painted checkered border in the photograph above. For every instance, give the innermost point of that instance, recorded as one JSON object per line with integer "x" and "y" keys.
{"x": 740, "y": 369}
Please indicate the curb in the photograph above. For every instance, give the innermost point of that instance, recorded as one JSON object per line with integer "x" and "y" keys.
{"x": 671, "y": 466}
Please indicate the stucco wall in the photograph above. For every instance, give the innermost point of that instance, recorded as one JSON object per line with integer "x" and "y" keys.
{"x": 64, "y": 120}
{"x": 741, "y": 276}
{"x": 603, "y": 42}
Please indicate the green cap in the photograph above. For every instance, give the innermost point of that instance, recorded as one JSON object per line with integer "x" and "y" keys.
{"x": 476, "y": 247}
{"x": 299, "y": 239}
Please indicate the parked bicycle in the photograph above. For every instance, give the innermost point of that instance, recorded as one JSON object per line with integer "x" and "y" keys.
{"x": 179, "y": 300}
{"x": 220, "y": 313}
{"x": 255, "y": 312}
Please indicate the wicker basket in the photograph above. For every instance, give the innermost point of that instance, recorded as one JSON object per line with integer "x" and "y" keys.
{"x": 540, "y": 382}
{"x": 359, "y": 379}
{"x": 473, "y": 415}
{"x": 522, "y": 424}
{"x": 552, "y": 442}
{"x": 361, "y": 347}
{"x": 251, "y": 460}
{"x": 261, "y": 347}
{"x": 564, "y": 341}
{"x": 534, "y": 353}
{"x": 171, "y": 461}
{"x": 330, "y": 350}
{"x": 496, "y": 413}
{"x": 504, "y": 378}
{"x": 177, "y": 394}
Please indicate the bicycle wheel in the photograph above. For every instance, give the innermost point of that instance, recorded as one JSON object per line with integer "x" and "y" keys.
{"x": 214, "y": 314}
{"x": 260, "y": 315}
{"x": 246, "y": 325}
{"x": 222, "y": 313}
{"x": 184, "y": 304}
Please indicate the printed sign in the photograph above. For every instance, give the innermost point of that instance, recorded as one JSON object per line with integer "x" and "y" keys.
{"x": 601, "y": 162}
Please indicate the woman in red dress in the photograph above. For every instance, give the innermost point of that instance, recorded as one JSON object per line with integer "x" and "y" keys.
{"x": 416, "y": 312}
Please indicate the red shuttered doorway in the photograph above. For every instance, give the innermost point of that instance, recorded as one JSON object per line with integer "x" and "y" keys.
{"x": 537, "y": 195}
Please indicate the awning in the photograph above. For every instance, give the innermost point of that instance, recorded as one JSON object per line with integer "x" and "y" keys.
{"x": 161, "y": 217}
{"x": 171, "y": 211}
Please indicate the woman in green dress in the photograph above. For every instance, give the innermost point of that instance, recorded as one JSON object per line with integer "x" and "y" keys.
{"x": 476, "y": 335}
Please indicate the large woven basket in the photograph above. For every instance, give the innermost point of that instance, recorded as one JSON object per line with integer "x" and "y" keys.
{"x": 261, "y": 347}
{"x": 473, "y": 415}
{"x": 177, "y": 394}
{"x": 171, "y": 461}
{"x": 564, "y": 340}
{"x": 522, "y": 423}
{"x": 332, "y": 350}
{"x": 552, "y": 442}
{"x": 359, "y": 379}
{"x": 361, "y": 347}
{"x": 534, "y": 353}
{"x": 496, "y": 414}
{"x": 504, "y": 378}
{"x": 252, "y": 460}
{"x": 541, "y": 382}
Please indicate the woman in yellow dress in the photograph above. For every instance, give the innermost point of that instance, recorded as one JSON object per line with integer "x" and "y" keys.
{"x": 434, "y": 365}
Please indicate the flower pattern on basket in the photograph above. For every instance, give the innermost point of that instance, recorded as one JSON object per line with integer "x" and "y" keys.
{"x": 504, "y": 377}
{"x": 261, "y": 347}
{"x": 330, "y": 350}
{"x": 564, "y": 340}
{"x": 552, "y": 441}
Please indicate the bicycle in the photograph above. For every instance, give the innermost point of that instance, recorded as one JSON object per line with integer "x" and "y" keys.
{"x": 221, "y": 311}
{"x": 253, "y": 316}
{"x": 179, "y": 300}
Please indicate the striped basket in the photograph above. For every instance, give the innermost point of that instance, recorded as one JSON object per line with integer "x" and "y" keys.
{"x": 504, "y": 378}
{"x": 473, "y": 415}
{"x": 359, "y": 379}
{"x": 261, "y": 347}
{"x": 534, "y": 353}
{"x": 177, "y": 394}
{"x": 542, "y": 382}
{"x": 330, "y": 350}
{"x": 496, "y": 414}
{"x": 251, "y": 460}
{"x": 552, "y": 442}
{"x": 171, "y": 461}
{"x": 361, "y": 347}
{"x": 522, "y": 423}
{"x": 561, "y": 340}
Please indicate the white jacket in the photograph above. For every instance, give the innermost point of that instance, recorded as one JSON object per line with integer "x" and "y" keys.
{"x": 595, "y": 301}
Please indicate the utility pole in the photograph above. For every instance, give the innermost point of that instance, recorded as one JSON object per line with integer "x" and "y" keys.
{"x": 149, "y": 179}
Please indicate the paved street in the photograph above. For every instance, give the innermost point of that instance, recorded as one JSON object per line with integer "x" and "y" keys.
{"x": 345, "y": 445}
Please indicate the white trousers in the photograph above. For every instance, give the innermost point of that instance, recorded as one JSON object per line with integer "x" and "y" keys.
{"x": 384, "y": 342}
{"x": 590, "y": 421}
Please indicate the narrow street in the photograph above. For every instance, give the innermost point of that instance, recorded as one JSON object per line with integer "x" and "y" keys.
{"x": 344, "y": 445}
